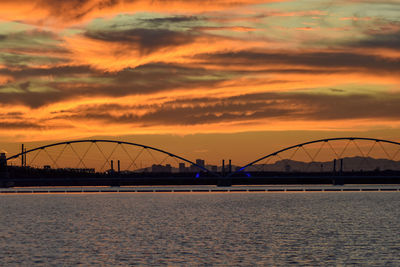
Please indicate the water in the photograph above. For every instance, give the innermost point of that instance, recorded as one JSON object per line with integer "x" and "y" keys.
{"x": 122, "y": 229}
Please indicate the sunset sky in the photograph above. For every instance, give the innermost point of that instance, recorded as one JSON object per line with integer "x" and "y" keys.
{"x": 199, "y": 78}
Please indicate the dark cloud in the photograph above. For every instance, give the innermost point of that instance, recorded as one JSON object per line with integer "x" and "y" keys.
{"x": 29, "y": 35}
{"x": 25, "y": 86}
{"x": 14, "y": 114}
{"x": 87, "y": 82}
{"x": 6, "y": 116}
{"x": 21, "y": 60}
{"x": 383, "y": 40}
{"x": 337, "y": 90}
{"x": 78, "y": 9}
{"x": 172, "y": 23}
{"x": 71, "y": 82}
{"x": 319, "y": 60}
{"x": 32, "y": 41}
{"x": 165, "y": 21}
{"x": 19, "y": 125}
{"x": 31, "y": 47}
{"x": 145, "y": 40}
{"x": 190, "y": 112}
{"x": 348, "y": 106}
{"x": 32, "y": 99}
{"x": 74, "y": 9}
{"x": 56, "y": 71}
{"x": 248, "y": 107}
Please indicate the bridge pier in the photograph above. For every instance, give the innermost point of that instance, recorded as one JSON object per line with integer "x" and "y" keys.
{"x": 3, "y": 171}
{"x": 224, "y": 180}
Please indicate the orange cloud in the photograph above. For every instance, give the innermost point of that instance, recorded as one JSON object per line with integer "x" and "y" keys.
{"x": 305, "y": 28}
{"x": 50, "y": 13}
{"x": 118, "y": 55}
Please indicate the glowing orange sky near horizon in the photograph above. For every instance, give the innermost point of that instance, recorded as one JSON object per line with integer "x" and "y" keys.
{"x": 76, "y": 69}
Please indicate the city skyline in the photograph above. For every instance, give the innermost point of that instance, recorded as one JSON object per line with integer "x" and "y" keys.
{"x": 215, "y": 79}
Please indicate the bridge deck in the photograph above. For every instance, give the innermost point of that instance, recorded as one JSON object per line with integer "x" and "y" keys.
{"x": 205, "y": 189}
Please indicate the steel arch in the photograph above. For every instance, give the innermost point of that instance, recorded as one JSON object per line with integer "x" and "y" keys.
{"x": 312, "y": 142}
{"x": 115, "y": 142}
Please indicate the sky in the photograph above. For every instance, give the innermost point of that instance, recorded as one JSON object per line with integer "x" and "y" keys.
{"x": 211, "y": 79}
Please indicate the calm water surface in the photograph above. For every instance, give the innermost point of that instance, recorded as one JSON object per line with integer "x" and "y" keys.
{"x": 338, "y": 228}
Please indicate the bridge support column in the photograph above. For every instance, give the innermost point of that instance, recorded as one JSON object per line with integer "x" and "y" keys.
{"x": 337, "y": 178}
{"x": 341, "y": 165}
{"x": 334, "y": 166}
{"x": 3, "y": 162}
{"x": 224, "y": 181}
{"x": 22, "y": 155}
{"x": 223, "y": 168}
{"x": 3, "y": 170}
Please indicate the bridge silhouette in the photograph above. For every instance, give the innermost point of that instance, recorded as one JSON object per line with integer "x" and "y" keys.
{"x": 106, "y": 157}
{"x": 338, "y": 154}
{"x": 79, "y": 154}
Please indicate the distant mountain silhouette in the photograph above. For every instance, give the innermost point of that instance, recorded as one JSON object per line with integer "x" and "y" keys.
{"x": 349, "y": 164}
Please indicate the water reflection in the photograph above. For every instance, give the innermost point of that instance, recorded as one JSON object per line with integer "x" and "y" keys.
{"x": 202, "y": 229}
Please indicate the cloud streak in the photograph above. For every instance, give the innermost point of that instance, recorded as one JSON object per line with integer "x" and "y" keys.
{"x": 248, "y": 107}
{"x": 145, "y": 41}
{"x": 82, "y": 81}
{"x": 320, "y": 60}
{"x": 67, "y": 12}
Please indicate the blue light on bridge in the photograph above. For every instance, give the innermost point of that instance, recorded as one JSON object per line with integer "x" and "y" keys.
{"x": 248, "y": 174}
{"x": 197, "y": 175}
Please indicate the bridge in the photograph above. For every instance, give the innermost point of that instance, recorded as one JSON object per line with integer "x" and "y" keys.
{"x": 354, "y": 156}
{"x": 106, "y": 156}
{"x": 311, "y": 152}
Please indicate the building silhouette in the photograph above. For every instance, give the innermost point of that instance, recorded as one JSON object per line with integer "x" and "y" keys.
{"x": 196, "y": 168}
{"x": 182, "y": 168}
{"x": 161, "y": 168}
{"x": 200, "y": 162}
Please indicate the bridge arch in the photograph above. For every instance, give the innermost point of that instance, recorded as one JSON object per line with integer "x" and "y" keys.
{"x": 94, "y": 141}
{"x": 301, "y": 145}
